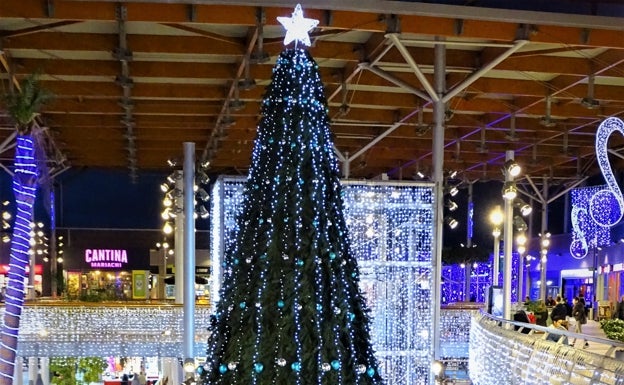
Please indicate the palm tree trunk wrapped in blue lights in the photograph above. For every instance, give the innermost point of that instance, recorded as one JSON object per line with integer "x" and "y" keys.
{"x": 291, "y": 311}
{"x": 24, "y": 187}
{"x": 24, "y": 108}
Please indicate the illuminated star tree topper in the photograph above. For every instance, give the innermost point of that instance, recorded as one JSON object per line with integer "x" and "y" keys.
{"x": 297, "y": 27}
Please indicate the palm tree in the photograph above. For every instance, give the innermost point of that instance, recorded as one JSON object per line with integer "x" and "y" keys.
{"x": 23, "y": 107}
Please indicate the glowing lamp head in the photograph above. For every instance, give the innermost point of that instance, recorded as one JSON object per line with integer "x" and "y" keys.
{"x": 510, "y": 191}
{"x": 496, "y": 216}
{"x": 437, "y": 368}
{"x": 512, "y": 168}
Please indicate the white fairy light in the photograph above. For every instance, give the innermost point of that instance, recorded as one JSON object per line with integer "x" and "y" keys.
{"x": 391, "y": 273}
{"x": 95, "y": 331}
{"x": 297, "y": 27}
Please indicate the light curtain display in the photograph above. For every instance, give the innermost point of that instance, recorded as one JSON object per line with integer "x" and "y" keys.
{"x": 391, "y": 232}
{"x": 98, "y": 331}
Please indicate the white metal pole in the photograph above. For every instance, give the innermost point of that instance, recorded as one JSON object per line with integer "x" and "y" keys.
{"x": 189, "y": 249}
{"x": 496, "y": 271}
{"x": 507, "y": 243}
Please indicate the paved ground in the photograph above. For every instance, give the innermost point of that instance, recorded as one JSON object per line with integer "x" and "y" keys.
{"x": 593, "y": 330}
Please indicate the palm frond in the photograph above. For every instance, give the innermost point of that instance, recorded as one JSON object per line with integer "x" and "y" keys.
{"x": 24, "y": 106}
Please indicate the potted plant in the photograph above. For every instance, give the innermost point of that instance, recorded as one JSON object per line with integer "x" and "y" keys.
{"x": 614, "y": 330}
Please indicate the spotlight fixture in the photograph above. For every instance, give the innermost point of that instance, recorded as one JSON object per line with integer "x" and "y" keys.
{"x": 512, "y": 168}
{"x": 202, "y": 177}
{"x": 453, "y": 191}
{"x": 546, "y": 121}
{"x": 590, "y": 103}
{"x": 510, "y": 191}
{"x": 452, "y": 206}
{"x": 227, "y": 121}
{"x": 519, "y": 223}
{"x": 172, "y": 162}
{"x": 202, "y": 195}
{"x": 451, "y": 222}
{"x": 203, "y": 212}
{"x": 189, "y": 365}
{"x": 236, "y": 105}
{"x": 525, "y": 208}
{"x": 452, "y": 174}
{"x": 246, "y": 84}
{"x": 173, "y": 177}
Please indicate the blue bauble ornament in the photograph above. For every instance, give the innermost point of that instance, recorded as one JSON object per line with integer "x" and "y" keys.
{"x": 280, "y": 304}
{"x": 242, "y": 305}
{"x": 296, "y": 366}
{"x": 332, "y": 255}
{"x": 319, "y": 307}
{"x": 370, "y": 372}
{"x": 335, "y": 364}
{"x": 299, "y": 262}
{"x": 258, "y": 367}
{"x": 236, "y": 261}
{"x": 222, "y": 368}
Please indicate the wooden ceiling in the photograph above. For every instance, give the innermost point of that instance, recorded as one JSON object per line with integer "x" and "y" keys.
{"x": 133, "y": 81}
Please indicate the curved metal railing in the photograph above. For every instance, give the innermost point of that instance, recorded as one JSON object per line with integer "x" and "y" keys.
{"x": 500, "y": 354}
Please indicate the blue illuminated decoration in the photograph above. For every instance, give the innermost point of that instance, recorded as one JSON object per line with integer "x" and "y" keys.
{"x": 606, "y": 207}
{"x": 390, "y": 227}
{"x": 470, "y": 219}
{"x": 586, "y": 233}
{"x": 24, "y": 188}
{"x": 579, "y": 246}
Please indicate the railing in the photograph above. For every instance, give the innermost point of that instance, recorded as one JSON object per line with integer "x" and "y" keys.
{"x": 455, "y": 321}
{"x": 499, "y": 354}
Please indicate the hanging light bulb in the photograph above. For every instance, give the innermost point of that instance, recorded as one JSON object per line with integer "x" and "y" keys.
{"x": 167, "y": 228}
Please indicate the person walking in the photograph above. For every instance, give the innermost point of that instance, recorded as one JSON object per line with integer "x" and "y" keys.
{"x": 578, "y": 312}
{"x": 619, "y": 309}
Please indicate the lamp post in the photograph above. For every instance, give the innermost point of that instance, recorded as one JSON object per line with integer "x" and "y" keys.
{"x": 510, "y": 170}
{"x": 496, "y": 218}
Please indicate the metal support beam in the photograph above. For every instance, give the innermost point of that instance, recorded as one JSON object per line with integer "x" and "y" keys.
{"x": 412, "y": 63}
{"x": 481, "y": 71}
{"x": 394, "y": 80}
{"x": 438, "y": 166}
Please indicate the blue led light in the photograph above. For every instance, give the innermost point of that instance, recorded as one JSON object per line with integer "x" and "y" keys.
{"x": 586, "y": 232}
{"x": 24, "y": 188}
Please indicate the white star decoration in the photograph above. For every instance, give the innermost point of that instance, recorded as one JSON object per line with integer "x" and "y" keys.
{"x": 297, "y": 27}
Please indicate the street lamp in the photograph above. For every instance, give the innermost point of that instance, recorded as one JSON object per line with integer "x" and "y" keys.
{"x": 496, "y": 218}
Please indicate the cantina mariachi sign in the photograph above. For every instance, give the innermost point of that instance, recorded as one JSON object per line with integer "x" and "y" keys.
{"x": 106, "y": 258}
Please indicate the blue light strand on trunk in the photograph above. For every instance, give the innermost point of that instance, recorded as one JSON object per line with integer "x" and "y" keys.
{"x": 24, "y": 187}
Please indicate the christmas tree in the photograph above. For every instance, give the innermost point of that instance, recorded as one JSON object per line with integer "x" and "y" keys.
{"x": 291, "y": 311}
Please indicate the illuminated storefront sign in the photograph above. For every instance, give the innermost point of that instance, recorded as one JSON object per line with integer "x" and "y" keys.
{"x": 106, "y": 258}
